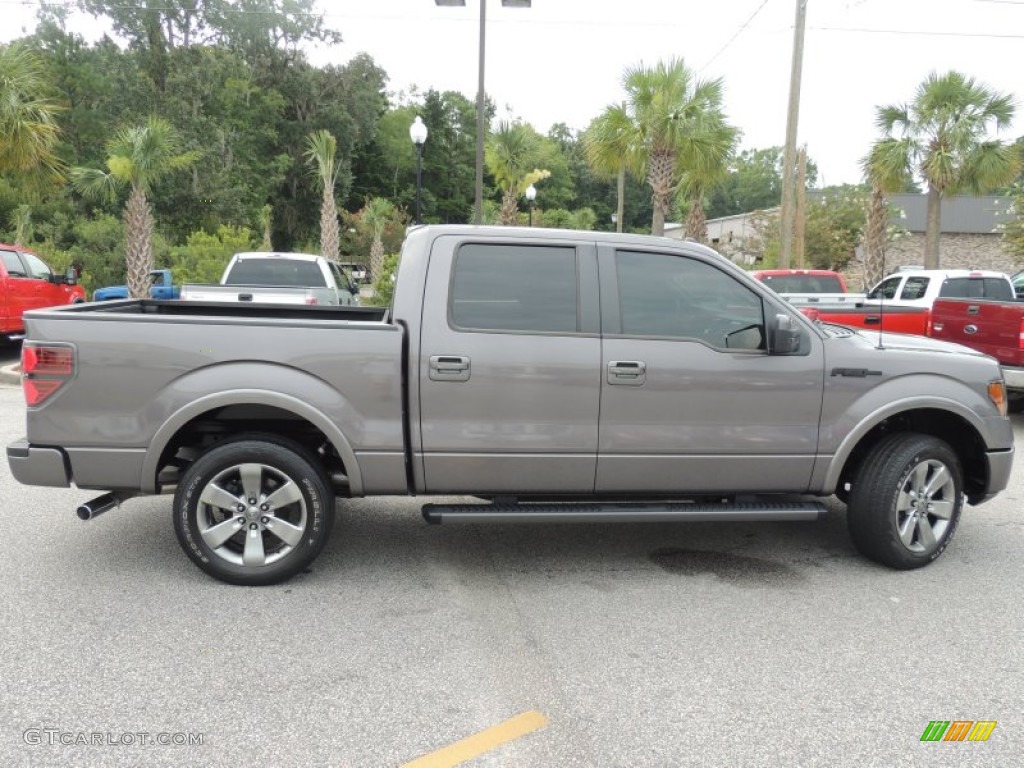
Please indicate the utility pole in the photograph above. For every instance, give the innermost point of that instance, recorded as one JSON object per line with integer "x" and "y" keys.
{"x": 800, "y": 227}
{"x": 788, "y": 155}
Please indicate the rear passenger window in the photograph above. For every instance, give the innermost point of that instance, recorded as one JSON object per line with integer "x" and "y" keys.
{"x": 13, "y": 264}
{"x": 914, "y": 288}
{"x": 994, "y": 288}
{"x": 515, "y": 288}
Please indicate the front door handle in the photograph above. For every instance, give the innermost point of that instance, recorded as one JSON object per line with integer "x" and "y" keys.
{"x": 632, "y": 373}
{"x": 449, "y": 368}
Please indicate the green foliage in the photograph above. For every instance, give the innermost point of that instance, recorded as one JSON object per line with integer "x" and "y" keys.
{"x": 834, "y": 228}
{"x": 203, "y": 257}
{"x": 384, "y": 284}
{"x": 753, "y": 183}
{"x": 28, "y": 115}
{"x": 1013, "y": 230}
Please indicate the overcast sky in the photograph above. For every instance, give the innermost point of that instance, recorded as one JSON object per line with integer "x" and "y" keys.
{"x": 562, "y": 60}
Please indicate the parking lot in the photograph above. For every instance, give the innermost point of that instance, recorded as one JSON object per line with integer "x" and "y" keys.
{"x": 641, "y": 645}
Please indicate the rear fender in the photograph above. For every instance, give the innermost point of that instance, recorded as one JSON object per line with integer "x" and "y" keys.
{"x": 295, "y": 391}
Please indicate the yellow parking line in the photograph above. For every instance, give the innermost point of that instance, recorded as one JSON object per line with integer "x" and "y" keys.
{"x": 478, "y": 743}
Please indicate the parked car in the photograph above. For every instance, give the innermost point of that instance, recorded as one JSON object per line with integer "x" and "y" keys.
{"x": 553, "y": 373}
{"x": 902, "y": 302}
{"x": 921, "y": 287}
{"x": 816, "y": 281}
{"x": 995, "y": 328}
{"x": 1018, "y": 284}
{"x": 278, "y": 278}
{"x": 161, "y": 286}
{"x": 27, "y": 282}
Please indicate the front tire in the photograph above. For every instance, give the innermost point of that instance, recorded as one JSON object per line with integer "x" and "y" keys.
{"x": 906, "y": 499}
{"x": 253, "y": 511}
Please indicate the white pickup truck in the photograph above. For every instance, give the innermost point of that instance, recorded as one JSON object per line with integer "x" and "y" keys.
{"x": 278, "y": 278}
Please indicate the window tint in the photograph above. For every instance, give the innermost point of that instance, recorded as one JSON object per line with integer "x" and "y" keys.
{"x": 272, "y": 271}
{"x": 994, "y": 288}
{"x": 886, "y": 289}
{"x": 515, "y": 288}
{"x": 803, "y": 283}
{"x": 13, "y": 264}
{"x": 36, "y": 267}
{"x": 914, "y": 288}
{"x": 666, "y": 295}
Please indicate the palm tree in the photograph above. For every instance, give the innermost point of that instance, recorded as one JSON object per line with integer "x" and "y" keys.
{"x": 321, "y": 149}
{"x": 705, "y": 161}
{"x": 884, "y": 177}
{"x": 942, "y": 136}
{"x": 28, "y": 117}
{"x": 266, "y": 220}
{"x": 22, "y": 225}
{"x": 677, "y": 118}
{"x": 137, "y": 157}
{"x": 377, "y": 213}
{"x": 511, "y": 155}
{"x": 611, "y": 150}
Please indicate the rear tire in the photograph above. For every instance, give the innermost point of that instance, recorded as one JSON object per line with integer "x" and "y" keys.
{"x": 254, "y": 511}
{"x": 906, "y": 499}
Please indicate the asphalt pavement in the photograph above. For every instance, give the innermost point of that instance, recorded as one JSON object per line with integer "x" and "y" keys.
{"x": 640, "y": 645}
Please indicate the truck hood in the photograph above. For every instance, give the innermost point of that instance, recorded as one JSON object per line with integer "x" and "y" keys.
{"x": 906, "y": 342}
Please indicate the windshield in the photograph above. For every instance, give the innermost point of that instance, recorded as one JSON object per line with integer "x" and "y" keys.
{"x": 276, "y": 271}
{"x": 803, "y": 283}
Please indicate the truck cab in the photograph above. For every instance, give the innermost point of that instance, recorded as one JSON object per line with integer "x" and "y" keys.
{"x": 26, "y": 283}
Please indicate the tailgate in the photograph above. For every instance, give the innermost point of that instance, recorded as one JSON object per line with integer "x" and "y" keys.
{"x": 992, "y": 327}
{"x": 258, "y": 294}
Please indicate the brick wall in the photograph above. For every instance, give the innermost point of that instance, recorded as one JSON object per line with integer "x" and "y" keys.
{"x": 956, "y": 251}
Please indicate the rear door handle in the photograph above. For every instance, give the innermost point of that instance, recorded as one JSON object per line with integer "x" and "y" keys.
{"x": 632, "y": 373}
{"x": 449, "y": 368}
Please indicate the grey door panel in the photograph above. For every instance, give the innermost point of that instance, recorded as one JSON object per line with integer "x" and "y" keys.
{"x": 526, "y": 419}
{"x": 706, "y": 417}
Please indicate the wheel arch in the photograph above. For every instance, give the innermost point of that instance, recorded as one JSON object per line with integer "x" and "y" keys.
{"x": 947, "y": 420}
{"x": 180, "y": 421}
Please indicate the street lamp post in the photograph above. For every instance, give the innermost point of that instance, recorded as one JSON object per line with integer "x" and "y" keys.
{"x": 478, "y": 203}
{"x": 531, "y": 195}
{"x": 418, "y": 134}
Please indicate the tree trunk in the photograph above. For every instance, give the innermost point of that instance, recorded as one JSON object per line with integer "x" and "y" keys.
{"x": 621, "y": 201}
{"x": 376, "y": 256}
{"x": 696, "y": 222}
{"x": 659, "y": 177}
{"x": 932, "y": 228}
{"x": 329, "y": 225}
{"x": 509, "y": 208}
{"x": 138, "y": 235}
{"x": 875, "y": 239}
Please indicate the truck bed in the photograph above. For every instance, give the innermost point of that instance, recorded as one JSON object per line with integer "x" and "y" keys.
{"x": 240, "y": 311}
{"x": 995, "y": 328}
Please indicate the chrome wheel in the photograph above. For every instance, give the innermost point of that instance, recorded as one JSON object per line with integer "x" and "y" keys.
{"x": 252, "y": 515}
{"x": 924, "y": 507}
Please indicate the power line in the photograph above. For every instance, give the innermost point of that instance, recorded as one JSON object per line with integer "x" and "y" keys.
{"x": 917, "y": 32}
{"x": 732, "y": 39}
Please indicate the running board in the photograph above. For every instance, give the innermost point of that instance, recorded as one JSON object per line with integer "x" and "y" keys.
{"x": 436, "y": 514}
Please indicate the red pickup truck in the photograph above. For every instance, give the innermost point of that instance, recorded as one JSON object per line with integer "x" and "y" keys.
{"x": 993, "y": 327}
{"x": 26, "y": 282}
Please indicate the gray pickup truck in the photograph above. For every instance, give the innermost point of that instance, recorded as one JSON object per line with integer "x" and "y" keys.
{"x": 557, "y": 376}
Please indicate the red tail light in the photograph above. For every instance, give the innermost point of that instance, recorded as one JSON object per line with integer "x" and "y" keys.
{"x": 312, "y": 300}
{"x": 45, "y": 368}
{"x": 1020, "y": 335}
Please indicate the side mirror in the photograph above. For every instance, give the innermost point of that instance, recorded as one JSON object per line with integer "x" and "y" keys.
{"x": 786, "y": 336}
{"x": 70, "y": 276}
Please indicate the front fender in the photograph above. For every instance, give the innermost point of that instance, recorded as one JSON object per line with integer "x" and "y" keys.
{"x": 845, "y": 430}
{"x": 283, "y": 387}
